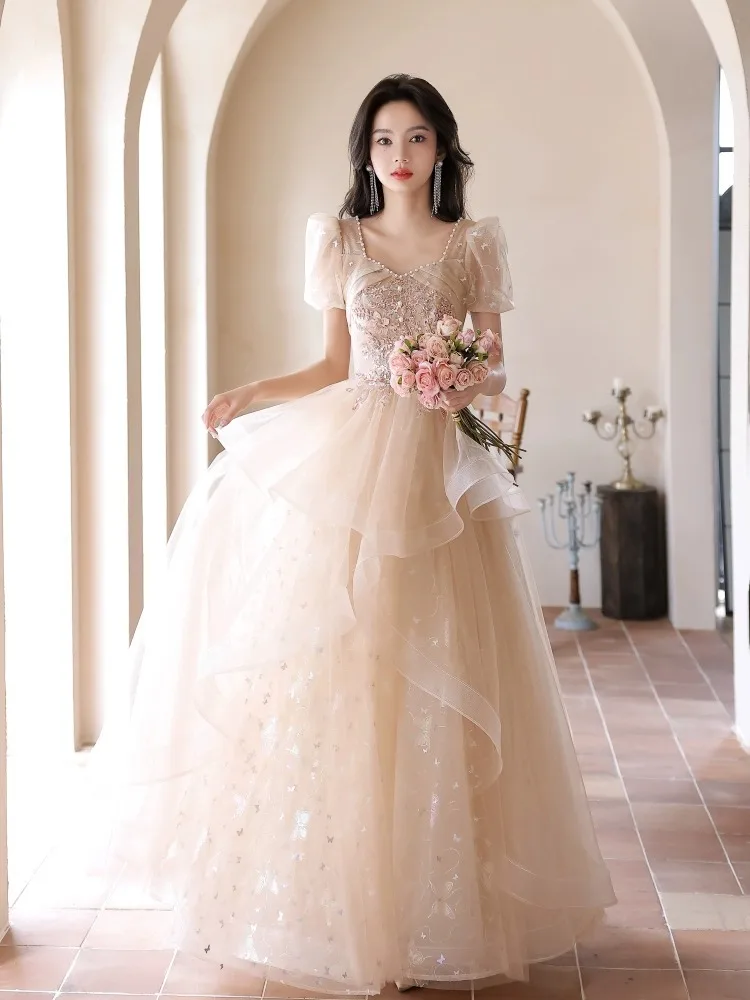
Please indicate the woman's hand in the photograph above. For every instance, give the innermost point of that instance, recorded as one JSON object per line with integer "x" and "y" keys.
{"x": 454, "y": 400}
{"x": 226, "y": 406}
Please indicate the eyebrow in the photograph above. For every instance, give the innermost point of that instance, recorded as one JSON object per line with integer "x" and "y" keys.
{"x": 414, "y": 128}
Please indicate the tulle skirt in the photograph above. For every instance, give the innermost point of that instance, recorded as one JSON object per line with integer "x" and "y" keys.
{"x": 340, "y": 750}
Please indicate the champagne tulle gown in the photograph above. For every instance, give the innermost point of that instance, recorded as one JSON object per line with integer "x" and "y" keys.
{"x": 343, "y": 753}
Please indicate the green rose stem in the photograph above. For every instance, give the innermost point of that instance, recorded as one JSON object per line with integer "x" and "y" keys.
{"x": 478, "y": 431}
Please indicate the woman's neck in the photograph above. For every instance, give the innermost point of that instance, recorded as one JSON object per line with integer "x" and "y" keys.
{"x": 401, "y": 214}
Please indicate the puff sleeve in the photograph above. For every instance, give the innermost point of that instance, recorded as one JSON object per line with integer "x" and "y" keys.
{"x": 490, "y": 285}
{"x": 324, "y": 263}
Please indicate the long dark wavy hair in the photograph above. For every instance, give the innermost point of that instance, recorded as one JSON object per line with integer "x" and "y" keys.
{"x": 457, "y": 166}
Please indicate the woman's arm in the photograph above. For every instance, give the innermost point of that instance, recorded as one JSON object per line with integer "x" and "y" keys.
{"x": 332, "y": 368}
{"x": 493, "y": 385}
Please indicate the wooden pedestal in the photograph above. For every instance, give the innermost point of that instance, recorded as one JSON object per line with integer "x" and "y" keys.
{"x": 633, "y": 554}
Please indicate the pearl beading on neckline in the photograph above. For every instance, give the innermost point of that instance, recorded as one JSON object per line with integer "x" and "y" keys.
{"x": 414, "y": 270}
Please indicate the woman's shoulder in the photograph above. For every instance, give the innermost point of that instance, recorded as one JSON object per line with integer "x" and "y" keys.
{"x": 325, "y": 226}
{"x": 321, "y": 222}
{"x": 488, "y": 225}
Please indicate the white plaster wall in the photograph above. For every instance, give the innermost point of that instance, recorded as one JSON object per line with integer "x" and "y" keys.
{"x": 571, "y": 169}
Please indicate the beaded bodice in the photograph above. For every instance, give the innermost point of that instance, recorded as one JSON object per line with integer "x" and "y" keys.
{"x": 381, "y": 305}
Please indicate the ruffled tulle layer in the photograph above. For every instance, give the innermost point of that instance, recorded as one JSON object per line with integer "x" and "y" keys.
{"x": 342, "y": 752}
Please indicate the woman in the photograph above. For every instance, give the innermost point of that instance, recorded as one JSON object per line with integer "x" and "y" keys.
{"x": 347, "y": 754}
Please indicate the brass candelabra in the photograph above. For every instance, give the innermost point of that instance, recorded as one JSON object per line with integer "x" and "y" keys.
{"x": 625, "y": 429}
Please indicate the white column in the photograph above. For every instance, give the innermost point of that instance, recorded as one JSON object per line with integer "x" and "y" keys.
{"x": 104, "y": 39}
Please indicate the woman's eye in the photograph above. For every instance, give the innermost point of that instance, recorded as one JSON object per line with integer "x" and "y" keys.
{"x": 417, "y": 138}
{"x": 384, "y": 141}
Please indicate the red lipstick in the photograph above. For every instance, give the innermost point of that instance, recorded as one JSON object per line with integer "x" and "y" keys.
{"x": 402, "y": 175}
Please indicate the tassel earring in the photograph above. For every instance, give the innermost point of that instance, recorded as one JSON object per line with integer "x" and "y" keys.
{"x": 374, "y": 199}
{"x": 437, "y": 182}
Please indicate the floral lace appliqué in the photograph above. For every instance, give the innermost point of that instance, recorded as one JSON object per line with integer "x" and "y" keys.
{"x": 379, "y": 315}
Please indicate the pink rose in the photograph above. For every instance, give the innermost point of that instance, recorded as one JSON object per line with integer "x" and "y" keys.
{"x": 426, "y": 382}
{"x": 398, "y": 384}
{"x": 429, "y": 402}
{"x": 418, "y": 358}
{"x": 422, "y": 340}
{"x": 436, "y": 348}
{"x": 466, "y": 337}
{"x": 485, "y": 343}
{"x": 478, "y": 371}
{"x": 464, "y": 379}
{"x": 408, "y": 380}
{"x": 448, "y": 327}
{"x": 399, "y": 362}
{"x": 456, "y": 359}
{"x": 445, "y": 374}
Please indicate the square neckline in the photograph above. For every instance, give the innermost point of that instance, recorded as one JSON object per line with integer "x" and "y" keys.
{"x": 414, "y": 270}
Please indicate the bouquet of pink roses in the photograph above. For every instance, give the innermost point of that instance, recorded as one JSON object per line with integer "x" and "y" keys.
{"x": 450, "y": 358}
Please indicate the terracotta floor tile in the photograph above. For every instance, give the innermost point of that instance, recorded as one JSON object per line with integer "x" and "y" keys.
{"x": 193, "y": 976}
{"x": 277, "y": 991}
{"x": 23, "y": 995}
{"x": 647, "y": 725}
{"x": 666, "y": 767}
{"x": 638, "y": 903}
{"x": 684, "y": 691}
{"x": 742, "y": 870}
{"x": 615, "y": 831}
{"x": 141, "y": 930}
{"x": 34, "y": 968}
{"x": 647, "y": 748}
{"x": 677, "y": 670}
{"x": 701, "y": 747}
{"x": 708, "y": 911}
{"x": 614, "y": 688}
{"x": 546, "y": 982}
{"x": 718, "y": 985}
{"x": 591, "y": 743}
{"x": 564, "y": 961}
{"x": 726, "y": 793}
{"x": 668, "y": 790}
{"x": 727, "y": 951}
{"x": 695, "y": 876}
{"x": 677, "y": 833}
{"x": 632, "y": 878}
{"x": 717, "y": 769}
{"x": 693, "y": 711}
{"x": 629, "y": 984}
{"x": 604, "y": 786}
{"x": 642, "y": 914}
{"x": 594, "y": 763}
{"x": 54, "y": 928}
{"x": 574, "y": 685}
{"x": 627, "y": 948}
{"x": 733, "y": 825}
{"x": 120, "y": 971}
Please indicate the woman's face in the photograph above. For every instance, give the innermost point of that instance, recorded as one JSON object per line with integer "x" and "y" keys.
{"x": 403, "y": 148}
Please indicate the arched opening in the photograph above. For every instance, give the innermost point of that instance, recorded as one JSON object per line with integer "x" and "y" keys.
{"x": 36, "y": 365}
